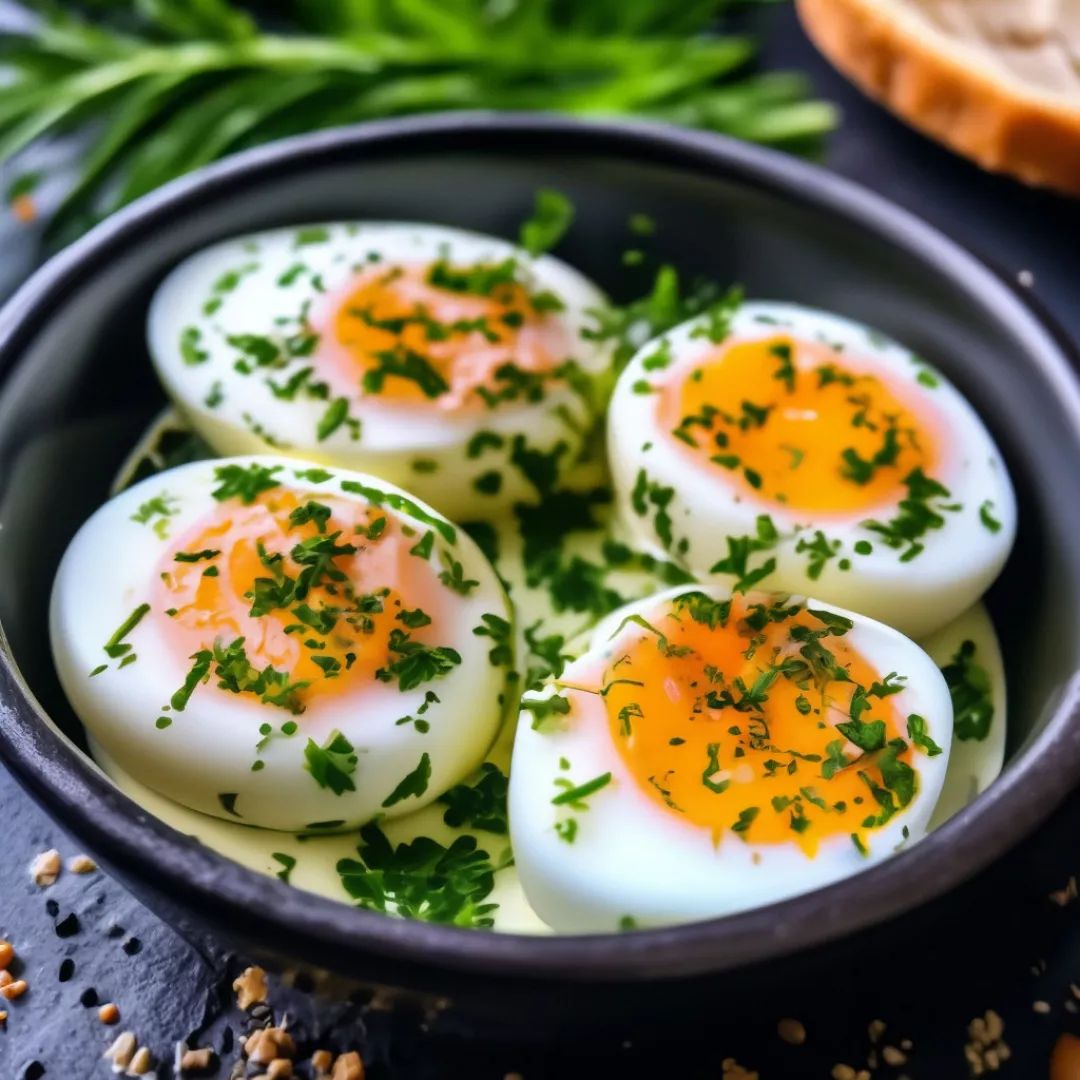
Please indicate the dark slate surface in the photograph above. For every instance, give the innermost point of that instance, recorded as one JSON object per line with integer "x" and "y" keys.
{"x": 1009, "y": 947}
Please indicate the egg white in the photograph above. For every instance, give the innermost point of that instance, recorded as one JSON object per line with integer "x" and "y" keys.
{"x": 418, "y": 447}
{"x": 974, "y": 764}
{"x": 959, "y": 560}
{"x": 630, "y": 858}
{"x": 209, "y": 748}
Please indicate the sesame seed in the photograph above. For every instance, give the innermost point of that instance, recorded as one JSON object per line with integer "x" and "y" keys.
{"x": 141, "y": 1063}
{"x": 876, "y": 1030}
{"x": 45, "y": 868}
{"x": 1026, "y": 278}
{"x": 250, "y": 988}
{"x": 67, "y": 970}
{"x": 82, "y": 864}
{"x": 1042, "y": 1007}
{"x": 122, "y": 1051}
{"x": 791, "y": 1031}
{"x": 68, "y": 926}
{"x": 14, "y": 989}
{"x": 892, "y": 1056}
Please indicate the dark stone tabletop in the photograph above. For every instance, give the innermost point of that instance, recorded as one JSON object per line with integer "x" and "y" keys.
{"x": 1015, "y": 950}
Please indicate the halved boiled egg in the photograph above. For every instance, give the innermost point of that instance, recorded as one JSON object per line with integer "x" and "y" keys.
{"x": 711, "y": 752}
{"x": 790, "y": 449}
{"x": 289, "y": 646}
{"x": 433, "y": 357}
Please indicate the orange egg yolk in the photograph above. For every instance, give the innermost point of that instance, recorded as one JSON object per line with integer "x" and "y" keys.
{"x": 455, "y": 338}
{"x": 292, "y": 598}
{"x": 786, "y": 421}
{"x": 726, "y": 714}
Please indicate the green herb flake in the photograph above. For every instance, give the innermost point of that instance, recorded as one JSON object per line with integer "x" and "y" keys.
{"x": 575, "y": 796}
{"x": 413, "y": 785}
{"x": 333, "y": 764}
{"x": 972, "y": 694}
{"x": 552, "y": 215}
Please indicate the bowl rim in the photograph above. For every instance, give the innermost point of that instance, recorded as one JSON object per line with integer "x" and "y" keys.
{"x": 252, "y": 905}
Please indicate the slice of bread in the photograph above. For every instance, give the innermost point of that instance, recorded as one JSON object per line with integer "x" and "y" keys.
{"x": 995, "y": 80}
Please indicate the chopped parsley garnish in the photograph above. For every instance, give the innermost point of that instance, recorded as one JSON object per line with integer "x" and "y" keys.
{"x": 453, "y": 575}
{"x": 190, "y": 351}
{"x": 413, "y": 785}
{"x": 820, "y": 549}
{"x": 987, "y": 518}
{"x": 196, "y": 556}
{"x": 422, "y": 879}
{"x": 402, "y": 504}
{"x": 545, "y": 708}
{"x": 333, "y": 764}
{"x": 337, "y": 413}
{"x": 916, "y": 517}
{"x": 405, "y": 364}
{"x": 916, "y": 729}
{"x": 574, "y": 796}
{"x": 116, "y": 646}
{"x": 287, "y": 864}
{"x": 552, "y": 215}
{"x": 416, "y": 663}
{"x": 246, "y": 484}
{"x": 501, "y": 633}
{"x": 740, "y": 548}
{"x": 785, "y": 370}
{"x": 480, "y": 805}
{"x": 481, "y": 441}
{"x": 860, "y": 470}
{"x": 746, "y": 819}
{"x": 971, "y": 692}
{"x": 228, "y": 803}
{"x": 312, "y": 234}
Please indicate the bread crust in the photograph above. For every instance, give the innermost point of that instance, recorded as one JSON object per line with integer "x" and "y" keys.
{"x": 940, "y": 90}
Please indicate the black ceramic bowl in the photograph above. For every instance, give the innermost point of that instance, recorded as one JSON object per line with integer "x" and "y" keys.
{"x": 77, "y": 389}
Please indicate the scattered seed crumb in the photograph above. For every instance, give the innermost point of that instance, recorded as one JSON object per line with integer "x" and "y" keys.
{"x": 196, "y": 1060}
{"x": 986, "y": 1049}
{"x": 250, "y": 988}
{"x": 1070, "y": 1006}
{"x": 907, "y": 1044}
{"x": 892, "y": 1056}
{"x": 141, "y": 1063}
{"x": 321, "y": 1062}
{"x": 3, "y": 1021}
{"x": 843, "y": 1072}
{"x": 6, "y": 978}
{"x": 1074, "y": 990}
{"x": 875, "y": 1030}
{"x": 1026, "y": 278}
{"x": 108, "y": 1013}
{"x": 268, "y": 1043}
{"x": 348, "y": 1067}
{"x": 82, "y": 864}
{"x": 88, "y": 998}
{"x": 122, "y": 1051}
{"x": 1042, "y": 1007}
{"x": 279, "y": 1069}
{"x": 734, "y": 1071}
{"x": 513, "y": 1076}
{"x": 14, "y": 989}
{"x": 7, "y": 954}
{"x": 871, "y": 1059}
{"x": 45, "y": 869}
{"x": 791, "y": 1031}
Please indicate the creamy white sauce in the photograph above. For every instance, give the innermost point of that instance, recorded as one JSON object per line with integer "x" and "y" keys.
{"x": 973, "y": 765}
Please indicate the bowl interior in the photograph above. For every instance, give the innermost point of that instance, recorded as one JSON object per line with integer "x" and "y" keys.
{"x": 80, "y": 388}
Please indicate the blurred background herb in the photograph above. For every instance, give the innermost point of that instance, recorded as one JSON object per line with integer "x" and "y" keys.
{"x": 159, "y": 87}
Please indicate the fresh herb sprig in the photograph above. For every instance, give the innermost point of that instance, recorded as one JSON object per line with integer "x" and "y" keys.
{"x": 162, "y": 88}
